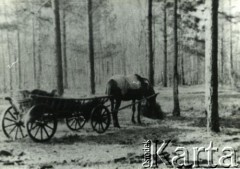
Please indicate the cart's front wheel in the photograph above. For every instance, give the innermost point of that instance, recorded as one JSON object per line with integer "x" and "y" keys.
{"x": 100, "y": 119}
{"x": 12, "y": 124}
{"x": 41, "y": 123}
{"x": 76, "y": 121}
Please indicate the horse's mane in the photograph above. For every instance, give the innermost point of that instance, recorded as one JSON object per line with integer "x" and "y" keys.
{"x": 144, "y": 80}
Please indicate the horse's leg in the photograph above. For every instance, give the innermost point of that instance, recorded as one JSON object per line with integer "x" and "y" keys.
{"x": 139, "y": 112}
{"x": 117, "y": 105}
{"x": 112, "y": 108}
{"x": 133, "y": 111}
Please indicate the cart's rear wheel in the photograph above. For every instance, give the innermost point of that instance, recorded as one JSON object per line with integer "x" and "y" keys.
{"x": 100, "y": 119}
{"x": 12, "y": 124}
{"x": 41, "y": 123}
{"x": 76, "y": 121}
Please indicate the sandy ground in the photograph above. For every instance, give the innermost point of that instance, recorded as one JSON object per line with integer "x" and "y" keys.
{"x": 122, "y": 148}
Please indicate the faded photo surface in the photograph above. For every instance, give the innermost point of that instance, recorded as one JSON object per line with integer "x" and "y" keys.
{"x": 119, "y": 84}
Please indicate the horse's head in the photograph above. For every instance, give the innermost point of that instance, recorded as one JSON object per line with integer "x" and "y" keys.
{"x": 148, "y": 91}
{"x": 150, "y": 107}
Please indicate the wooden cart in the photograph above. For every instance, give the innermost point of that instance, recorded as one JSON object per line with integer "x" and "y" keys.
{"x": 40, "y": 114}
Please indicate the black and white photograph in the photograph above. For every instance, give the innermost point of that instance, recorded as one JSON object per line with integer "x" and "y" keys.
{"x": 119, "y": 84}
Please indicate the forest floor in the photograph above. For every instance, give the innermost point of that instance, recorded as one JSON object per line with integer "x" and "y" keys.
{"x": 122, "y": 148}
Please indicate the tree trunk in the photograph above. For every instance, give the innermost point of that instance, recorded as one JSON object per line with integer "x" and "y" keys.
{"x": 34, "y": 50}
{"x": 3, "y": 63}
{"x": 211, "y": 67}
{"x": 222, "y": 54}
{"x": 198, "y": 66}
{"x": 182, "y": 69}
{"x": 192, "y": 68}
{"x": 9, "y": 62}
{"x": 150, "y": 44}
{"x": 124, "y": 63}
{"x": 64, "y": 49}
{"x": 180, "y": 52}
{"x": 58, "y": 53}
{"x": 231, "y": 71}
{"x": 39, "y": 74}
{"x": 9, "y": 53}
{"x": 165, "y": 44}
{"x": 222, "y": 47}
{"x": 91, "y": 48}
{"x": 176, "y": 109}
{"x": 19, "y": 60}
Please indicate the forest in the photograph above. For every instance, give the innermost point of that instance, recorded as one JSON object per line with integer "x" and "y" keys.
{"x": 120, "y": 40}
{"x": 187, "y": 49}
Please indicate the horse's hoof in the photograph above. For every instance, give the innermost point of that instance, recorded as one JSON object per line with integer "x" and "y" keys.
{"x": 117, "y": 126}
{"x": 133, "y": 121}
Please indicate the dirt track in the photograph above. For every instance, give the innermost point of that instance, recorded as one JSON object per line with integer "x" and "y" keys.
{"x": 122, "y": 148}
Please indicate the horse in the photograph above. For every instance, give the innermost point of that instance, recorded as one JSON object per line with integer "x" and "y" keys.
{"x": 131, "y": 87}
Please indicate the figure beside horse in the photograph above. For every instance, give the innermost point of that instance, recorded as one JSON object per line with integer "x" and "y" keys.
{"x": 132, "y": 87}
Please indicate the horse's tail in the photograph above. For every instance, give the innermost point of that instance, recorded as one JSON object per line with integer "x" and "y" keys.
{"x": 111, "y": 84}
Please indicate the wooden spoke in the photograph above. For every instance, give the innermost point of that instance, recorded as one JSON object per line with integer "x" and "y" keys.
{"x": 16, "y": 133}
{"x": 48, "y": 126}
{"x": 76, "y": 123}
{"x": 95, "y": 124}
{"x": 71, "y": 118}
{"x": 37, "y": 131}
{"x": 45, "y": 130}
{"x": 41, "y": 130}
{"x": 12, "y": 130}
{"x": 21, "y": 131}
{"x": 102, "y": 126}
{"x": 32, "y": 128}
{"x": 12, "y": 115}
{"x": 104, "y": 122}
{"x": 9, "y": 119}
{"x": 10, "y": 125}
{"x": 73, "y": 121}
{"x": 99, "y": 126}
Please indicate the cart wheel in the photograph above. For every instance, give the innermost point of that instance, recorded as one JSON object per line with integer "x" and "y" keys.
{"x": 100, "y": 119}
{"x": 12, "y": 124}
{"x": 76, "y": 121}
{"x": 41, "y": 123}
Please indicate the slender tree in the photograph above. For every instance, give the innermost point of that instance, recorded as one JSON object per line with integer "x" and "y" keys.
{"x": 182, "y": 70}
{"x": 58, "y": 52}
{"x": 165, "y": 78}
{"x": 176, "y": 109}
{"x": 34, "y": 49}
{"x": 64, "y": 46}
{"x": 91, "y": 47}
{"x": 231, "y": 71}
{"x": 19, "y": 60}
{"x": 150, "y": 44}
{"x": 222, "y": 47}
{"x": 8, "y": 49}
{"x": 39, "y": 57}
{"x": 9, "y": 62}
{"x": 211, "y": 67}
{"x": 3, "y": 63}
